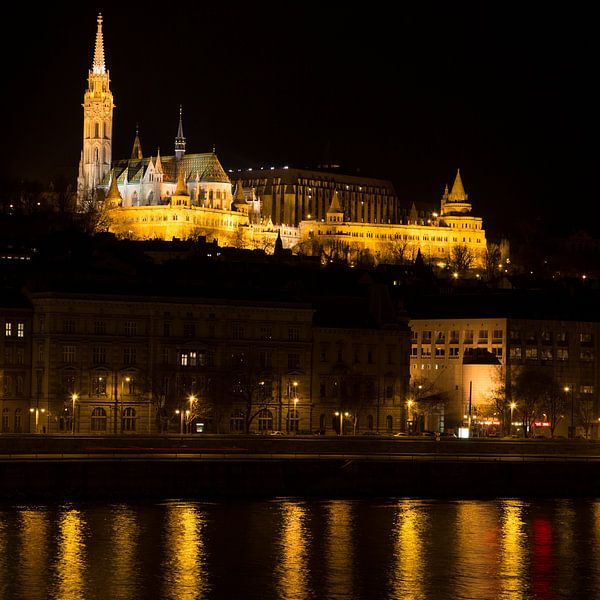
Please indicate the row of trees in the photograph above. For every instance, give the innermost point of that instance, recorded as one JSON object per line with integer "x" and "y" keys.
{"x": 536, "y": 396}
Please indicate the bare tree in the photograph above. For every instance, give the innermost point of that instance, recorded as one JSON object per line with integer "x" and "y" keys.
{"x": 538, "y": 393}
{"x": 461, "y": 258}
{"x": 491, "y": 260}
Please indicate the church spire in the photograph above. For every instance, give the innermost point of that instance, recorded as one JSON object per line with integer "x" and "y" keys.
{"x": 180, "y": 139}
{"x": 136, "y": 152}
{"x": 98, "y": 66}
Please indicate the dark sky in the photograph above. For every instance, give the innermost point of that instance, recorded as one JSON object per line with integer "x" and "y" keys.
{"x": 500, "y": 90}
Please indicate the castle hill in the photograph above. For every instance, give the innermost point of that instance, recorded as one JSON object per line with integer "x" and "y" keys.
{"x": 176, "y": 322}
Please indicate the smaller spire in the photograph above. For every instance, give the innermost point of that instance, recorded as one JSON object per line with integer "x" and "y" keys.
{"x": 136, "y": 152}
{"x": 114, "y": 197}
{"x": 335, "y": 206}
{"x": 180, "y": 139}
{"x": 239, "y": 193}
{"x": 158, "y": 163}
{"x": 98, "y": 65}
{"x": 181, "y": 189}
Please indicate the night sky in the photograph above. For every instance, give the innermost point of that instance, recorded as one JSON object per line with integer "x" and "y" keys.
{"x": 503, "y": 94}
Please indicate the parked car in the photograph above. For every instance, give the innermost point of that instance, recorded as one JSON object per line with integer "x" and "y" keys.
{"x": 448, "y": 435}
{"x": 277, "y": 433}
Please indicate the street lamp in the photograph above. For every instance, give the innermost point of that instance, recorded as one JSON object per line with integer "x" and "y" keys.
{"x": 295, "y": 387}
{"x": 37, "y": 412}
{"x": 512, "y": 408}
{"x": 571, "y": 428}
{"x": 192, "y": 400}
{"x": 127, "y": 379}
{"x": 341, "y": 416}
{"x": 180, "y": 413}
{"x": 74, "y": 399}
{"x": 408, "y": 420}
{"x": 295, "y": 425}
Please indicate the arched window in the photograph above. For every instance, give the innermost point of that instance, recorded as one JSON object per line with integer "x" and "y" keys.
{"x": 150, "y": 198}
{"x": 370, "y": 422}
{"x": 292, "y": 420}
{"x": 129, "y": 419}
{"x": 237, "y": 421}
{"x": 18, "y": 420}
{"x": 265, "y": 420}
{"x": 5, "y": 420}
{"x": 97, "y": 130}
{"x": 389, "y": 423}
{"x": 98, "y": 419}
{"x": 135, "y": 200}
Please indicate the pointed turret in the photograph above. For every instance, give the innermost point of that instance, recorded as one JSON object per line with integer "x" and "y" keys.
{"x": 239, "y": 193}
{"x": 181, "y": 189}
{"x": 180, "y": 139}
{"x": 457, "y": 201}
{"x": 181, "y": 196}
{"x": 239, "y": 201}
{"x": 413, "y": 216}
{"x": 98, "y": 67}
{"x": 158, "y": 163}
{"x": 136, "y": 152}
{"x": 114, "y": 198}
{"x": 458, "y": 191}
{"x": 335, "y": 213}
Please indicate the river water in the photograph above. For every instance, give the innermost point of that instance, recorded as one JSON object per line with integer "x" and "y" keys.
{"x": 301, "y": 549}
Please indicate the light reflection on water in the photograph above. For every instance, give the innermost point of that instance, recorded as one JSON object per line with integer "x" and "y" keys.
{"x": 302, "y": 550}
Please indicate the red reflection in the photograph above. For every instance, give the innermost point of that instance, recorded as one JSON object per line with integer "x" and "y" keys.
{"x": 541, "y": 561}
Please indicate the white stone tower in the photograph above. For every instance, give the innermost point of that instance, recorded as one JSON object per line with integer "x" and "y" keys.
{"x": 97, "y": 125}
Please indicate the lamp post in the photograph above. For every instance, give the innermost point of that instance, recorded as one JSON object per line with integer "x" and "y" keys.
{"x": 127, "y": 379}
{"x": 571, "y": 428}
{"x": 180, "y": 413}
{"x": 37, "y": 412}
{"x": 408, "y": 420}
{"x": 341, "y": 416}
{"x": 74, "y": 399}
{"x": 512, "y": 408}
{"x": 192, "y": 400}
{"x": 291, "y": 385}
{"x": 295, "y": 427}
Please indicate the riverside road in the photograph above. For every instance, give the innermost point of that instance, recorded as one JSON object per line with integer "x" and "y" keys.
{"x": 34, "y": 468}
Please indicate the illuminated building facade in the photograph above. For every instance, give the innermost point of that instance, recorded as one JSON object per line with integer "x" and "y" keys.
{"x": 314, "y": 212}
{"x": 459, "y": 363}
{"x": 99, "y": 363}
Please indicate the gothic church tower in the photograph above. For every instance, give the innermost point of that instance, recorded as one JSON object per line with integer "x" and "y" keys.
{"x": 97, "y": 125}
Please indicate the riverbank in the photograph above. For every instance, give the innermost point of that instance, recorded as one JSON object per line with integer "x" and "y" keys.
{"x": 79, "y": 468}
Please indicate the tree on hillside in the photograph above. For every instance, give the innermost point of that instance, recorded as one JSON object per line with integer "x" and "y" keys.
{"x": 461, "y": 258}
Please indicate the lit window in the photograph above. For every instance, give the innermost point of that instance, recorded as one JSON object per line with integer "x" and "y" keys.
{"x": 8, "y": 330}
{"x": 20, "y": 330}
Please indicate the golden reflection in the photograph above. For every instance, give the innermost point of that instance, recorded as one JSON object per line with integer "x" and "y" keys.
{"x": 33, "y": 552}
{"x": 407, "y": 579}
{"x": 292, "y": 570}
{"x": 71, "y": 562}
{"x": 339, "y": 554}
{"x": 3, "y": 554}
{"x": 125, "y": 533}
{"x": 477, "y": 541}
{"x": 185, "y": 573}
{"x": 514, "y": 557}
